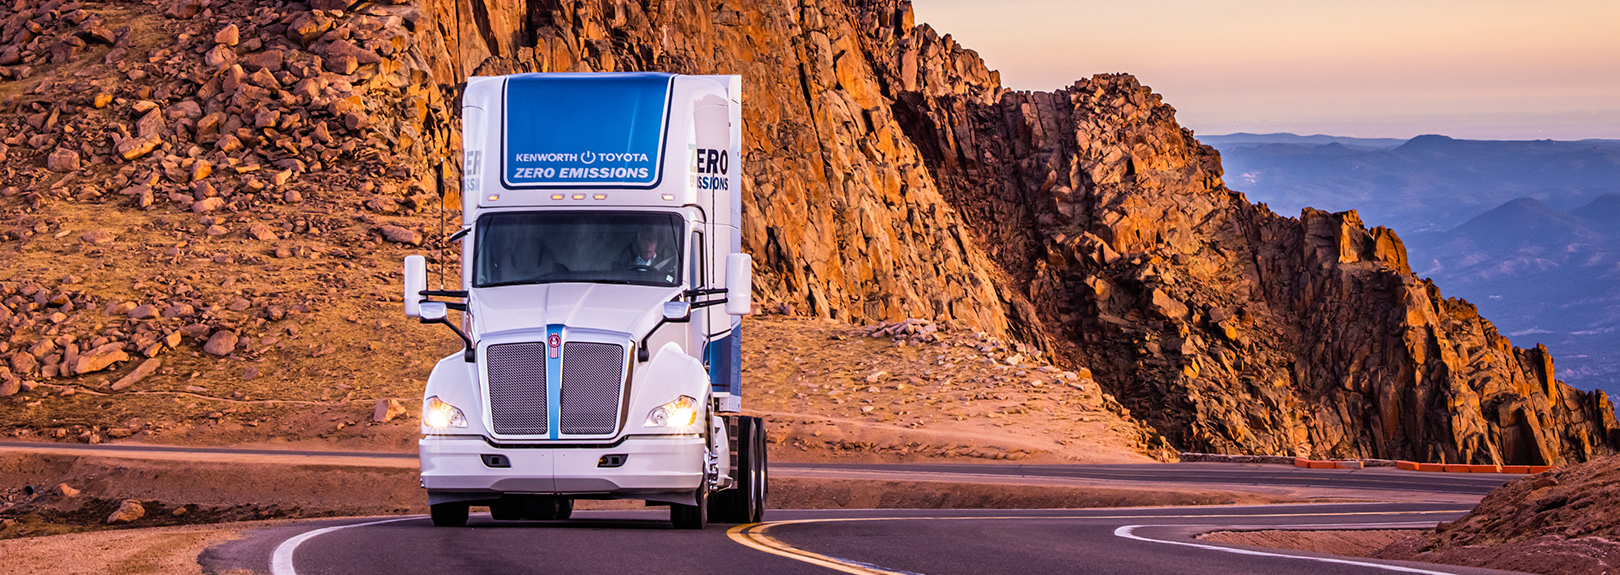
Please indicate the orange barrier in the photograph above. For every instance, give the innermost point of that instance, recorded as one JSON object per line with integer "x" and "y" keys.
{"x": 1432, "y": 467}
{"x": 1462, "y": 468}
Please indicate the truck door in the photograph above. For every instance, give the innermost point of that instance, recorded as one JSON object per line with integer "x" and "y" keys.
{"x": 697, "y": 270}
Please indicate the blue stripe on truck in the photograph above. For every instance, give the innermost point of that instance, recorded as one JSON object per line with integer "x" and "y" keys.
{"x": 553, "y": 380}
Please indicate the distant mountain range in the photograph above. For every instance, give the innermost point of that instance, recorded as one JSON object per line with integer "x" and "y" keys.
{"x": 1245, "y": 139}
{"x": 1529, "y": 231}
{"x": 1427, "y": 183}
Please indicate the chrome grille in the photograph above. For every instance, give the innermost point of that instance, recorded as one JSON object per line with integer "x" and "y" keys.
{"x": 592, "y": 380}
{"x": 517, "y": 388}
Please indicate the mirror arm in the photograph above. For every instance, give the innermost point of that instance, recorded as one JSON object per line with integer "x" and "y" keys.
{"x": 444, "y": 293}
{"x": 455, "y": 305}
{"x": 641, "y": 351}
{"x": 467, "y": 353}
{"x": 709, "y": 303}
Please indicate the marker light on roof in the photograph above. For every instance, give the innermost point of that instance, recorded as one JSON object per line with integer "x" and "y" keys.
{"x": 599, "y": 197}
{"x": 557, "y": 196}
{"x": 579, "y": 196}
{"x": 669, "y": 197}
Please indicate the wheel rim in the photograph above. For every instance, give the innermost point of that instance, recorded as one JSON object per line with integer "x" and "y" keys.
{"x": 759, "y": 475}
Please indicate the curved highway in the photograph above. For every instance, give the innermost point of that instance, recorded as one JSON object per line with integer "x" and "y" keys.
{"x": 1123, "y": 541}
{"x": 1120, "y": 540}
{"x": 1117, "y": 540}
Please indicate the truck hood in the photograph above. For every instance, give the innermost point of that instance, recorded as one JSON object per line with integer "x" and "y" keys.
{"x": 630, "y": 309}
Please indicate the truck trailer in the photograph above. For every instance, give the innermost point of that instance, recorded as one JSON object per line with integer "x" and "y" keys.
{"x": 601, "y": 316}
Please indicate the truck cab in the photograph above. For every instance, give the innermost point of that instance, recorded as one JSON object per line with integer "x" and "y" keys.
{"x": 604, "y": 288}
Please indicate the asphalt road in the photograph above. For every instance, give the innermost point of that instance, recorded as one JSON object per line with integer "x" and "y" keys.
{"x": 1113, "y": 541}
{"x": 1199, "y": 474}
{"x": 934, "y": 542}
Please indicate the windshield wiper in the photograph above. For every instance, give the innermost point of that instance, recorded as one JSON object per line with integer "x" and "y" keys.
{"x": 508, "y": 283}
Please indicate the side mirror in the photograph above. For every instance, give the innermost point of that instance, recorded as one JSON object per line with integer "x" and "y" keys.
{"x": 415, "y": 282}
{"x": 739, "y": 284}
{"x": 677, "y": 311}
{"x": 432, "y": 312}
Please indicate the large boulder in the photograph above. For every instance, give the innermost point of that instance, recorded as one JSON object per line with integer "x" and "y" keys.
{"x": 222, "y": 343}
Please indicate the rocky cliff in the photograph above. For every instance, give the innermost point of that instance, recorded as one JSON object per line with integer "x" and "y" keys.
{"x": 1234, "y": 329}
{"x": 888, "y": 175}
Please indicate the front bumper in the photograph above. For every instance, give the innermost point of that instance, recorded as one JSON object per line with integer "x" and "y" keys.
{"x": 656, "y": 468}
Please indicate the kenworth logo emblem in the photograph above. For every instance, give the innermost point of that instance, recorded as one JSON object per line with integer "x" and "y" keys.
{"x": 555, "y": 342}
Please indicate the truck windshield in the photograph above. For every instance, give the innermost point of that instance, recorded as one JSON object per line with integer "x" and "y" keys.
{"x": 569, "y": 246}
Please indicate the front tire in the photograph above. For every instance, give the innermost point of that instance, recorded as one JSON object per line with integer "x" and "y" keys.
{"x": 449, "y": 514}
{"x": 691, "y": 516}
{"x": 761, "y": 487}
{"x": 745, "y": 502}
{"x": 506, "y": 509}
{"x": 540, "y": 508}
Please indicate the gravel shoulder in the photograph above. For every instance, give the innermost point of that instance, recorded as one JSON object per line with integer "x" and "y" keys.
{"x": 1351, "y": 542}
{"x": 157, "y": 550}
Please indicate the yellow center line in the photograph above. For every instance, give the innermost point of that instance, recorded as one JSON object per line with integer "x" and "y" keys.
{"x": 752, "y": 535}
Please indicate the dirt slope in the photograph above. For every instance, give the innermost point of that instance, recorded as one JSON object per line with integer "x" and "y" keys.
{"x": 1562, "y": 522}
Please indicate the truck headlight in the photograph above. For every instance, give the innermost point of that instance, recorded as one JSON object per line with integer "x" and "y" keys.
{"x": 679, "y": 413}
{"x": 436, "y": 413}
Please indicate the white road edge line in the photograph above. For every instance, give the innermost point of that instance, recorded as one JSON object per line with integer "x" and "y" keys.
{"x": 1127, "y": 531}
{"x": 281, "y": 562}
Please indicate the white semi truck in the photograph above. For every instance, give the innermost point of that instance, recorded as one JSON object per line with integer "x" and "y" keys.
{"x": 605, "y": 288}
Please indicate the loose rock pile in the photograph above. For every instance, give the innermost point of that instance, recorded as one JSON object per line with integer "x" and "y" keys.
{"x": 249, "y": 107}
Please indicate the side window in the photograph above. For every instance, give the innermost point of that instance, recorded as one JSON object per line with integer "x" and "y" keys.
{"x": 696, "y": 263}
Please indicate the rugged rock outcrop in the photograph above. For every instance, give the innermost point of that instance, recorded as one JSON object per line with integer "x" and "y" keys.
{"x": 888, "y": 176}
{"x": 1235, "y": 329}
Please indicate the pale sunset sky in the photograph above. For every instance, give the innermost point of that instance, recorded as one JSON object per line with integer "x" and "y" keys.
{"x": 1477, "y": 69}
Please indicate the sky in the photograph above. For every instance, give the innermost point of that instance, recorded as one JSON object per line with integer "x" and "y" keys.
{"x": 1477, "y": 69}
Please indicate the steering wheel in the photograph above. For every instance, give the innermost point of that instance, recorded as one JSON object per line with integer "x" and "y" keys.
{"x": 642, "y": 268}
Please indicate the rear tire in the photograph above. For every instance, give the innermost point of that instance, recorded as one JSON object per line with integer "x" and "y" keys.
{"x": 449, "y": 514}
{"x": 691, "y": 516}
